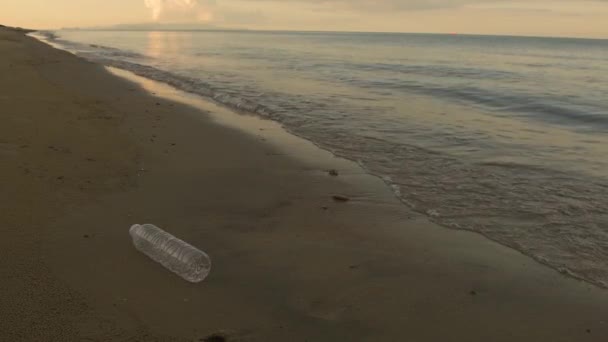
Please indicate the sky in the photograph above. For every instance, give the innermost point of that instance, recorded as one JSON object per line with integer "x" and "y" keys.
{"x": 566, "y": 18}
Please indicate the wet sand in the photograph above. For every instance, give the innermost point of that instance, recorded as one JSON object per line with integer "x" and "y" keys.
{"x": 85, "y": 154}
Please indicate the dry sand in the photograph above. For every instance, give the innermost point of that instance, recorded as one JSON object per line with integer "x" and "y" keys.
{"x": 85, "y": 154}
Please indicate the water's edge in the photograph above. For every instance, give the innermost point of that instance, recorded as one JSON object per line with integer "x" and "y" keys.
{"x": 193, "y": 86}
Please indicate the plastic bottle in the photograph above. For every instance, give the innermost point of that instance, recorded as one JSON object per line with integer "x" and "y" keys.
{"x": 176, "y": 255}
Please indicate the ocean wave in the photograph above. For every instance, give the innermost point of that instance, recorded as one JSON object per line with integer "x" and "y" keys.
{"x": 184, "y": 83}
{"x": 442, "y": 71}
{"x": 559, "y": 219}
{"x": 549, "y": 109}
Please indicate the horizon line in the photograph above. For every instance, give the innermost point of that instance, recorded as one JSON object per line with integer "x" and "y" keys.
{"x": 227, "y": 29}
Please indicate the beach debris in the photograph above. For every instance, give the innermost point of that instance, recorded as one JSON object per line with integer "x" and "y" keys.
{"x": 333, "y": 173}
{"x": 340, "y": 198}
{"x": 174, "y": 254}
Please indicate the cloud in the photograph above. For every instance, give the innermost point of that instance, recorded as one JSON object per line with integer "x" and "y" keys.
{"x": 181, "y": 10}
{"x": 489, "y": 16}
{"x": 409, "y": 5}
{"x": 380, "y": 5}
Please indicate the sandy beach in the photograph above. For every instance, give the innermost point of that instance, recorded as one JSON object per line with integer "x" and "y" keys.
{"x": 84, "y": 154}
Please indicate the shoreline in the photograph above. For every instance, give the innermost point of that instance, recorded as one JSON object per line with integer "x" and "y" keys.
{"x": 575, "y": 271}
{"x": 299, "y": 147}
{"x": 285, "y": 268}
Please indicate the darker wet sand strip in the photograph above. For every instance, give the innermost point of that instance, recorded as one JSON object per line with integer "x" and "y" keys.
{"x": 84, "y": 155}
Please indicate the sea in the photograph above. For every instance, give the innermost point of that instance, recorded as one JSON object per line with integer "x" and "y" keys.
{"x": 504, "y": 136}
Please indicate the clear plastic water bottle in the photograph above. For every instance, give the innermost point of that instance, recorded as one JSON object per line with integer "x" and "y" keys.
{"x": 176, "y": 255}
